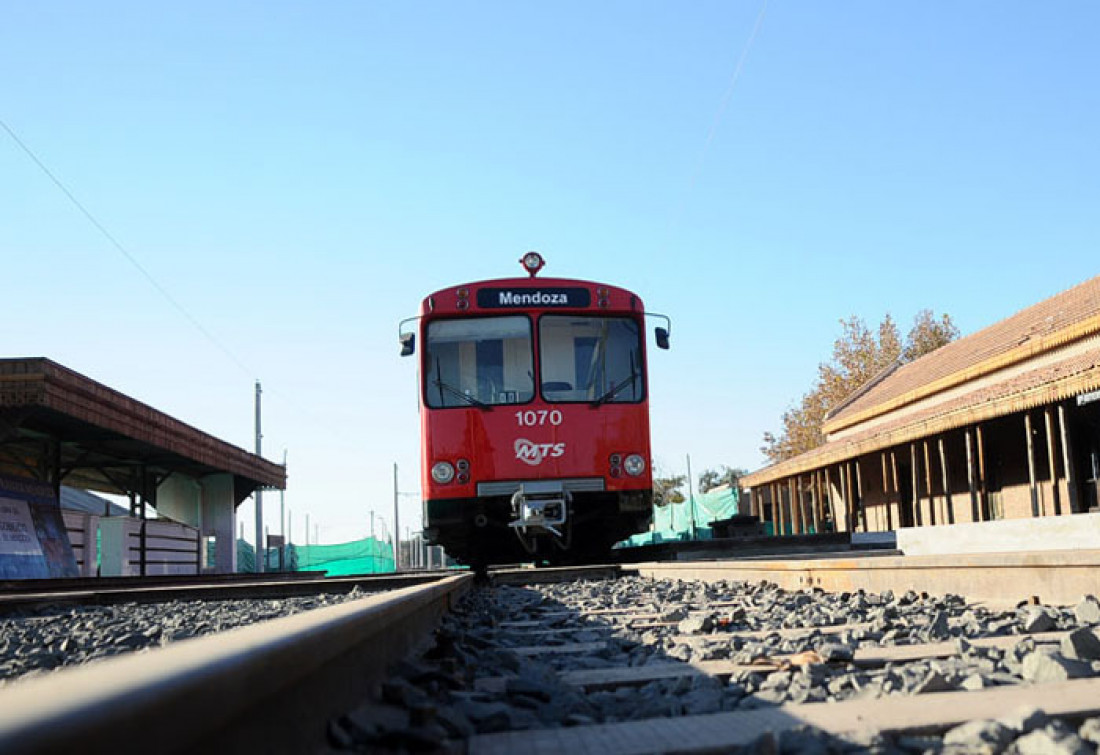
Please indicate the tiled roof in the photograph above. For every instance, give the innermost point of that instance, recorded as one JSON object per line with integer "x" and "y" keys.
{"x": 1025, "y": 390}
{"x": 1070, "y": 315}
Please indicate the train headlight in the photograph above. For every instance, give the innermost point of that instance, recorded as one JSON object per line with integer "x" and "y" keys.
{"x": 442, "y": 472}
{"x": 634, "y": 465}
{"x": 532, "y": 262}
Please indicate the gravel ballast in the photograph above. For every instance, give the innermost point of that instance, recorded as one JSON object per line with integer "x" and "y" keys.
{"x": 437, "y": 701}
{"x": 44, "y": 639}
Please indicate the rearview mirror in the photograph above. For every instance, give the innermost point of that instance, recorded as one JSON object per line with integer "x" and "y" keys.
{"x": 662, "y": 337}
{"x": 408, "y": 343}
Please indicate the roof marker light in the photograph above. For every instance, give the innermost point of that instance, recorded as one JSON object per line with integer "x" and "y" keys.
{"x": 532, "y": 262}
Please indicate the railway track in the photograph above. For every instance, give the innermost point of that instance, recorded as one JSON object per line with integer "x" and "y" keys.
{"x": 271, "y": 687}
{"x": 672, "y": 657}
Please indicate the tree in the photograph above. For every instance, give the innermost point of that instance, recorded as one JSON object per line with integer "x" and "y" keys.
{"x": 666, "y": 490}
{"x": 928, "y": 334}
{"x": 858, "y": 356}
{"x": 712, "y": 478}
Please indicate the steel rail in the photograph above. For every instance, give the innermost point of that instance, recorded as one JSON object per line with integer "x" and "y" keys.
{"x": 137, "y": 590}
{"x": 271, "y": 687}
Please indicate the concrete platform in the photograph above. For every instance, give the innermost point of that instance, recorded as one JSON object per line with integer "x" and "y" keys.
{"x": 1051, "y": 533}
{"x": 1055, "y": 577}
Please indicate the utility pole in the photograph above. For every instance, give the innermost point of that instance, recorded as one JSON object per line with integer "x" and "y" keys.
{"x": 307, "y": 530}
{"x": 282, "y": 505}
{"x": 259, "y": 496}
{"x": 691, "y": 497}
{"x": 396, "y": 524}
{"x": 372, "y": 524}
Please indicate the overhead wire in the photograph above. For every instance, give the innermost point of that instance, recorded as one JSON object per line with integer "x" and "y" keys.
{"x": 123, "y": 251}
{"x": 719, "y": 113}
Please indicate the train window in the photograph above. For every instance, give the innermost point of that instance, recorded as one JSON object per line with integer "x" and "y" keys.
{"x": 590, "y": 359}
{"x": 479, "y": 362}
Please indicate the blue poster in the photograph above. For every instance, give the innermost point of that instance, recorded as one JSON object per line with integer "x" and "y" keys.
{"x": 33, "y": 540}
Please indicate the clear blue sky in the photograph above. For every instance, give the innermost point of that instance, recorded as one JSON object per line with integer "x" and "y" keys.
{"x": 297, "y": 176}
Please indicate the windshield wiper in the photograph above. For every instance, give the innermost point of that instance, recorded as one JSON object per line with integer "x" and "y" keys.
{"x": 454, "y": 391}
{"x": 629, "y": 380}
{"x": 614, "y": 390}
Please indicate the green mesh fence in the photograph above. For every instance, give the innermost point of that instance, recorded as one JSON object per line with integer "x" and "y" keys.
{"x": 689, "y": 520}
{"x": 367, "y": 556}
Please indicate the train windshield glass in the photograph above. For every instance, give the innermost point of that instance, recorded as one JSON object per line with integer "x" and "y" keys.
{"x": 590, "y": 359}
{"x": 479, "y": 362}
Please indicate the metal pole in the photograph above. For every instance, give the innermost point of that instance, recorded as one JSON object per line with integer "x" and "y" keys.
{"x": 259, "y": 496}
{"x": 396, "y": 524}
{"x": 691, "y": 497}
{"x": 307, "y": 530}
{"x": 282, "y": 505}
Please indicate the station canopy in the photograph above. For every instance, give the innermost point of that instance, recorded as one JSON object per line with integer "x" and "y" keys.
{"x": 61, "y": 427}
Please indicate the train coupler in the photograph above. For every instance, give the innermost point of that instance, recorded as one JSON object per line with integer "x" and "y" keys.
{"x": 541, "y": 504}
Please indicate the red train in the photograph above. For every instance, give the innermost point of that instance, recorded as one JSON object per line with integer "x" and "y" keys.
{"x": 534, "y": 418}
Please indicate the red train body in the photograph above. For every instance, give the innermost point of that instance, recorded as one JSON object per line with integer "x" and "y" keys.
{"x": 534, "y": 418}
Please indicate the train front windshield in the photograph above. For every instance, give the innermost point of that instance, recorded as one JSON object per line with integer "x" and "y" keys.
{"x": 590, "y": 359}
{"x": 484, "y": 360}
{"x": 488, "y": 360}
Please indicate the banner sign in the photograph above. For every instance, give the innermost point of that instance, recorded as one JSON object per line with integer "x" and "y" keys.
{"x": 1088, "y": 398}
{"x": 17, "y": 535}
{"x": 523, "y": 298}
{"x": 33, "y": 541}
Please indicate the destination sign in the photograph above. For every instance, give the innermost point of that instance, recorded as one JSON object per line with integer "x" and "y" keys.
{"x": 507, "y": 298}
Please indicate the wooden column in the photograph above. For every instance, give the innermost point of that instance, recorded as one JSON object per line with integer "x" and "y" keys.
{"x": 796, "y": 508}
{"x": 945, "y": 475}
{"x": 1031, "y": 466}
{"x": 851, "y": 507}
{"x": 897, "y": 487}
{"x": 1055, "y": 496}
{"x": 832, "y": 503}
{"x": 781, "y": 512}
{"x": 928, "y": 481}
{"x": 886, "y": 494}
{"x": 843, "y": 487}
{"x": 788, "y": 515}
{"x": 815, "y": 501}
{"x": 983, "y": 490}
{"x": 1067, "y": 463}
{"x": 913, "y": 461}
{"x": 775, "y": 509}
{"x": 971, "y": 475}
{"x": 859, "y": 496}
{"x": 803, "y": 514}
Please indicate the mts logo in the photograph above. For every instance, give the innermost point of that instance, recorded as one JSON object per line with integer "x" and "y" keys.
{"x": 534, "y": 453}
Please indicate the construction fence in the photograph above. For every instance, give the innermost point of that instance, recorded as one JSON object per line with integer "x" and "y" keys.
{"x": 366, "y": 556}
